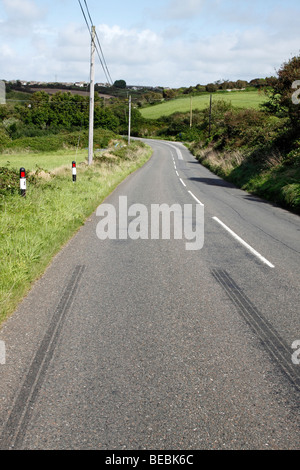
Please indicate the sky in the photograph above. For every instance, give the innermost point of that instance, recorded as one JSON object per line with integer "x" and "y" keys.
{"x": 169, "y": 43}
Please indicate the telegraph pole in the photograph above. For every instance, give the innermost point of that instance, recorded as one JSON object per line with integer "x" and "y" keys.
{"x": 210, "y": 106}
{"x": 2, "y": 92}
{"x": 129, "y": 121}
{"x": 92, "y": 98}
{"x": 191, "y": 112}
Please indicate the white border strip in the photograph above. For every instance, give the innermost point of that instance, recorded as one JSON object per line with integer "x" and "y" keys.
{"x": 239, "y": 239}
{"x": 179, "y": 154}
{"x": 2, "y": 352}
{"x": 197, "y": 200}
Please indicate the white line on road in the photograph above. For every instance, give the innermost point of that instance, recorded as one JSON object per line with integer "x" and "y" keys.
{"x": 239, "y": 239}
{"x": 2, "y": 352}
{"x": 177, "y": 173}
{"x": 197, "y": 200}
{"x": 183, "y": 182}
{"x": 179, "y": 154}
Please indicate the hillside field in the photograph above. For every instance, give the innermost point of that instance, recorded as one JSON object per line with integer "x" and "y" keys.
{"x": 239, "y": 99}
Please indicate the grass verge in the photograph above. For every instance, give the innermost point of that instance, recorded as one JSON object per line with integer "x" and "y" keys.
{"x": 267, "y": 175}
{"x": 34, "y": 229}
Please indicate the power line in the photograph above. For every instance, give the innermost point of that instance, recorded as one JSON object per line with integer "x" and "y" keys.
{"x": 102, "y": 60}
{"x": 111, "y": 82}
{"x": 87, "y": 9}
{"x": 84, "y": 15}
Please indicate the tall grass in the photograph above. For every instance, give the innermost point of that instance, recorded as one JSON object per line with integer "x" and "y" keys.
{"x": 259, "y": 172}
{"x": 33, "y": 229}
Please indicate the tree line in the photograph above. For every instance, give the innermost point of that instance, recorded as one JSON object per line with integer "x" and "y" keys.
{"x": 63, "y": 111}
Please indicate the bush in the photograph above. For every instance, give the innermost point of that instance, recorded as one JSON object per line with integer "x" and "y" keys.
{"x": 10, "y": 181}
{"x": 38, "y": 144}
{"x": 4, "y": 139}
{"x": 54, "y": 142}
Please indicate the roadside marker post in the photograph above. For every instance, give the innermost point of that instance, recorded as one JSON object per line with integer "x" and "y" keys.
{"x": 74, "y": 171}
{"x": 23, "y": 182}
{"x": 2, "y": 353}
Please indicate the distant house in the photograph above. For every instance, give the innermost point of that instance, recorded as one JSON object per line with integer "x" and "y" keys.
{"x": 80, "y": 84}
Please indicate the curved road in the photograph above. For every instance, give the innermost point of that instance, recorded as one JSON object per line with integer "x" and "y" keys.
{"x": 144, "y": 344}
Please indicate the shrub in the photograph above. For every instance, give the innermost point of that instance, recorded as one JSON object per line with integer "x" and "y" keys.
{"x": 38, "y": 144}
{"x": 4, "y": 139}
{"x": 10, "y": 180}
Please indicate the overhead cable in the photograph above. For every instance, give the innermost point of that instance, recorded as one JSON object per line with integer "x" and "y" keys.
{"x": 102, "y": 59}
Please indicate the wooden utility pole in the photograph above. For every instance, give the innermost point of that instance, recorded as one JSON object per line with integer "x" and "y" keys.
{"x": 191, "y": 112}
{"x": 92, "y": 98}
{"x": 210, "y": 105}
{"x": 2, "y": 92}
{"x": 129, "y": 120}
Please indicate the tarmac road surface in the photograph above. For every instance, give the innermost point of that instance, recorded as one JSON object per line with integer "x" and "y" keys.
{"x": 144, "y": 344}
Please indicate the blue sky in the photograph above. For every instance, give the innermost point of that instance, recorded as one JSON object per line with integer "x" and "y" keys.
{"x": 159, "y": 42}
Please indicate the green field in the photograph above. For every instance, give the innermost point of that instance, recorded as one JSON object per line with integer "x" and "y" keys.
{"x": 241, "y": 99}
{"x": 47, "y": 161}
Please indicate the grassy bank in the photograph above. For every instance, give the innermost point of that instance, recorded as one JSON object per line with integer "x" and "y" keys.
{"x": 33, "y": 229}
{"x": 265, "y": 173}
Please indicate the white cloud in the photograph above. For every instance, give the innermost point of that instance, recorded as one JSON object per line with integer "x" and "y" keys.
{"x": 21, "y": 15}
{"x": 6, "y": 52}
{"x": 131, "y": 46}
{"x": 167, "y": 56}
{"x": 25, "y": 10}
{"x": 144, "y": 56}
{"x": 178, "y": 9}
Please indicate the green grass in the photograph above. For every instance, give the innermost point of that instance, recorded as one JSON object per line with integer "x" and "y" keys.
{"x": 47, "y": 161}
{"x": 33, "y": 229}
{"x": 241, "y": 99}
{"x": 268, "y": 178}
{"x": 17, "y": 96}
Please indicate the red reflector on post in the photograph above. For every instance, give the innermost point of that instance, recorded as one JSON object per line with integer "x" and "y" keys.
{"x": 74, "y": 171}
{"x": 23, "y": 181}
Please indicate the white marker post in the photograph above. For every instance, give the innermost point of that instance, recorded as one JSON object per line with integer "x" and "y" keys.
{"x": 2, "y": 352}
{"x": 74, "y": 171}
{"x": 23, "y": 182}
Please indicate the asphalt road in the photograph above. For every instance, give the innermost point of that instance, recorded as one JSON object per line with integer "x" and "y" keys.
{"x": 143, "y": 344}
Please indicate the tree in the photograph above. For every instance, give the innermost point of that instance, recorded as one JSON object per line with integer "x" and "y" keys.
{"x": 200, "y": 88}
{"x": 120, "y": 84}
{"x": 38, "y": 113}
{"x": 211, "y": 87}
{"x": 241, "y": 84}
{"x": 105, "y": 118}
{"x": 282, "y": 96}
{"x": 169, "y": 94}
